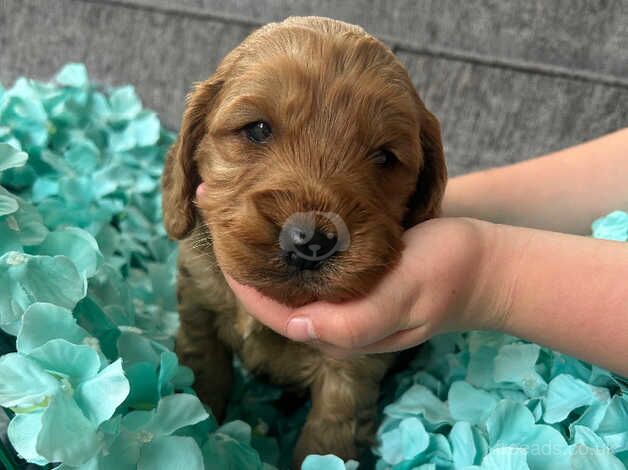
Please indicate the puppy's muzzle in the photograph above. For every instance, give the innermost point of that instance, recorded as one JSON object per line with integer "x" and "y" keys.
{"x": 308, "y": 240}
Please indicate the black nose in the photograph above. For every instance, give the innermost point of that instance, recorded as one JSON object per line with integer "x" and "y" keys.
{"x": 307, "y": 249}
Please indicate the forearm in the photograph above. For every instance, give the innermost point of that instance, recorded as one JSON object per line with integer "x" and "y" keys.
{"x": 563, "y": 191}
{"x": 566, "y": 292}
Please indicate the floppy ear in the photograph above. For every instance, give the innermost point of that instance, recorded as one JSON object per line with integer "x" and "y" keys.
{"x": 425, "y": 203}
{"x": 180, "y": 176}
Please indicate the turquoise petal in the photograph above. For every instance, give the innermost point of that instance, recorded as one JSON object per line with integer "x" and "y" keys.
{"x": 72, "y": 361}
{"x": 168, "y": 368}
{"x": 122, "y": 454}
{"x": 22, "y": 432}
{"x": 124, "y": 103}
{"x": 24, "y": 383}
{"x": 72, "y": 75}
{"x": 323, "y": 462}
{"x": 10, "y": 157}
{"x": 404, "y": 442}
{"x": 75, "y": 243}
{"x": 515, "y": 363}
{"x": 586, "y": 458}
{"x": 82, "y": 156}
{"x": 467, "y": 403}
{"x": 509, "y": 423}
{"x": 419, "y": 400}
{"x": 133, "y": 347}
{"x": 29, "y": 225}
{"x": 462, "y": 444}
{"x": 586, "y": 437}
{"x": 566, "y": 393}
{"x": 506, "y": 458}
{"x": 172, "y": 453}
{"x": 512, "y": 424}
{"x": 239, "y": 430}
{"x": 44, "y": 321}
{"x": 67, "y": 435}
{"x": 414, "y": 437}
{"x": 221, "y": 452}
{"x": 99, "y": 396}
{"x": 176, "y": 411}
{"x": 144, "y": 392}
{"x": 26, "y": 279}
{"x": 8, "y": 202}
{"x": 614, "y": 226}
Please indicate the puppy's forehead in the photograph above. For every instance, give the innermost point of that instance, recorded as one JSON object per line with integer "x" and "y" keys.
{"x": 319, "y": 80}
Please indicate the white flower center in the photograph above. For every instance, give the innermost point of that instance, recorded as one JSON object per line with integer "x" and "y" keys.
{"x": 145, "y": 436}
{"x": 16, "y": 258}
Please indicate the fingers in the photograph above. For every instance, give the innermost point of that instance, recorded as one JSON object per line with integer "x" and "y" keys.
{"x": 351, "y": 325}
{"x": 396, "y": 342}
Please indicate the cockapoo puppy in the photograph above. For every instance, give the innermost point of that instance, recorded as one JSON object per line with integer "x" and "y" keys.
{"x": 315, "y": 153}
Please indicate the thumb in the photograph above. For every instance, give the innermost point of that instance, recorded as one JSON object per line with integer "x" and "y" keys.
{"x": 354, "y": 324}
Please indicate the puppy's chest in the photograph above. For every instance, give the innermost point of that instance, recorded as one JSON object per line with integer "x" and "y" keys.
{"x": 259, "y": 348}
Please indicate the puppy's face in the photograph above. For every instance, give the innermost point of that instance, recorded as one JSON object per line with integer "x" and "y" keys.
{"x": 315, "y": 153}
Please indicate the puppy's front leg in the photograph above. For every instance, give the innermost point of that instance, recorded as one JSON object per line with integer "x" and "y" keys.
{"x": 199, "y": 348}
{"x": 344, "y": 407}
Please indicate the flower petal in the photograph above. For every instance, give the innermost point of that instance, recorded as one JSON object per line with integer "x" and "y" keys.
{"x": 10, "y": 157}
{"x": 26, "y": 279}
{"x": 76, "y": 244}
{"x": 173, "y": 453}
{"x": 176, "y": 411}
{"x": 67, "y": 435}
{"x": 566, "y": 393}
{"x": 23, "y": 382}
{"x": 221, "y": 451}
{"x": 323, "y": 462}
{"x": 515, "y": 363}
{"x": 72, "y": 75}
{"x": 506, "y": 458}
{"x": 76, "y": 362}
{"x": 42, "y": 322}
{"x": 467, "y": 403}
{"x": 22, "y": 432}
{"x": 99, "y": 396}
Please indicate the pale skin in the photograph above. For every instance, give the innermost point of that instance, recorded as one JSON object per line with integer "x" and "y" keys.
{"x": 496, "y": 260}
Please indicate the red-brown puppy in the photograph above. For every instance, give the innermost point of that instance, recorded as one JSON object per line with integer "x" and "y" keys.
{"x": 316, "y": 153}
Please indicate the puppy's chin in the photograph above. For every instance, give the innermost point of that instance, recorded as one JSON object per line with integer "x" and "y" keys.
{"x": 335, "y": 282}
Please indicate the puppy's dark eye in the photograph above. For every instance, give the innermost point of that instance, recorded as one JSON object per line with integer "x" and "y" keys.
{"x": 258, "y": 132}
{"x": 383, "y": 158}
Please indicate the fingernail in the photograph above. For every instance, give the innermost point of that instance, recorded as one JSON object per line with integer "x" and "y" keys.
{"x": 300, "y": 329}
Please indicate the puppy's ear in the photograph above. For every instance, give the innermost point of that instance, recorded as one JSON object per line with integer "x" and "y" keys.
{"x": 180, "y": 176}
{"x": 425, "y": 203}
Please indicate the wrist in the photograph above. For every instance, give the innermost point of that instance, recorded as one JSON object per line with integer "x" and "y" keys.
{"x": 490, "y": 303}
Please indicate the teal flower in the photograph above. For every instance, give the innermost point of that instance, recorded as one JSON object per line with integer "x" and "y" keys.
{"x": 26, "y": 279}
{"x": 327, "y": 462}
{"x": 614, "y": 226}
{"x": 146, "y": 439}
{"x": 60, "y": 387}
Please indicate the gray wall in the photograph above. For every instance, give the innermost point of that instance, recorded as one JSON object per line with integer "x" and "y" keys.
{"x": 508, "y": 79}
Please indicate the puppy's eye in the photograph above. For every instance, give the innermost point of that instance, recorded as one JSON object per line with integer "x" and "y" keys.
{"x": 258, "y": 132}
{"x": 383, "y": 158}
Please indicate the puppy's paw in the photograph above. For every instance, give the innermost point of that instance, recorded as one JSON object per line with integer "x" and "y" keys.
{"x": 325, "y": 437}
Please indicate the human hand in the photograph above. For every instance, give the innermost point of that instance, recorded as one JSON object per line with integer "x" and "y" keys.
{"x": 437, "y": 287}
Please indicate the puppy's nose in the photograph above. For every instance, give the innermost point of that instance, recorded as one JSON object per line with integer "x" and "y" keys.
{"x": 308, "y": 249}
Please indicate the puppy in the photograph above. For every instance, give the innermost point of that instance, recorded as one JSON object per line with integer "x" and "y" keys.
{"x": 315, "y": 153}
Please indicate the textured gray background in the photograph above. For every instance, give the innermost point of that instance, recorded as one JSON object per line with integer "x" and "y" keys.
{"x": 508, "y": 79}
